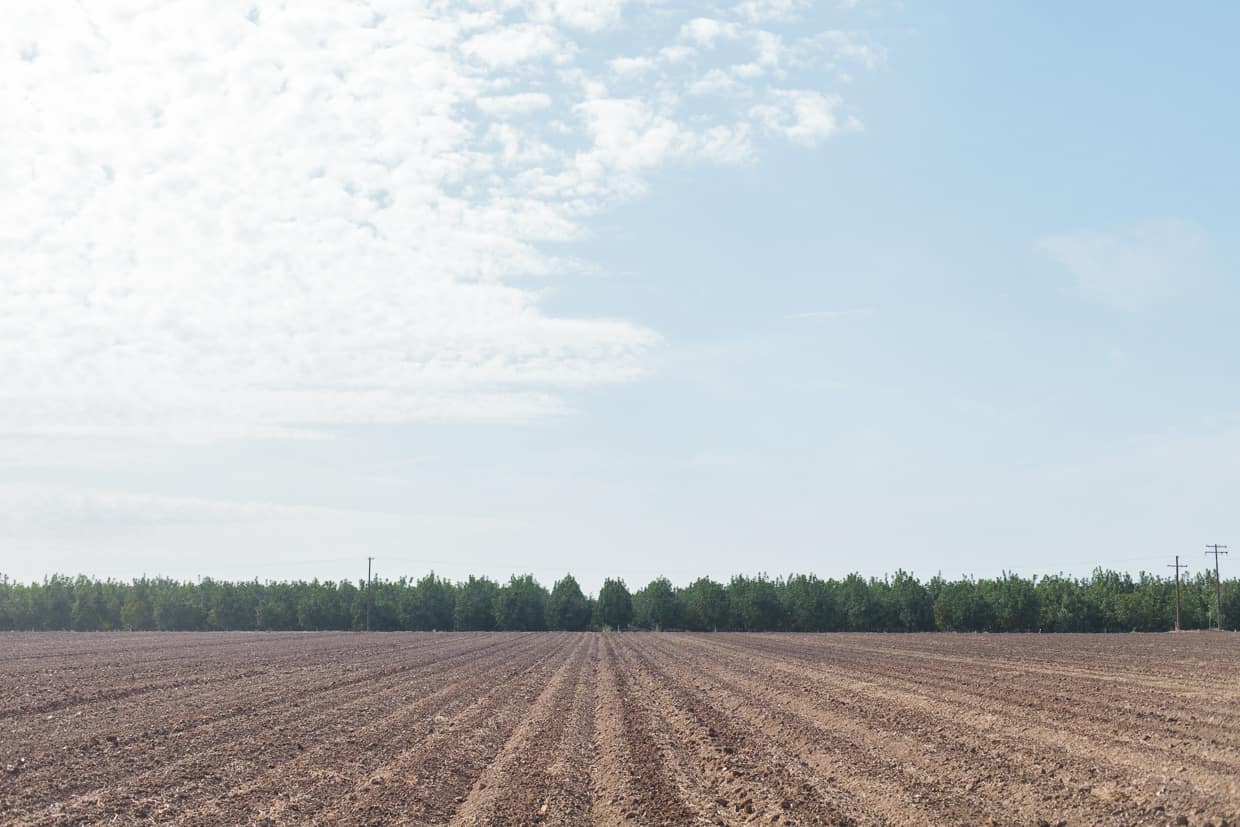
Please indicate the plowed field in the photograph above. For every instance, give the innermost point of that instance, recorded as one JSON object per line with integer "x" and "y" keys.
{"x": 564, "y": 728}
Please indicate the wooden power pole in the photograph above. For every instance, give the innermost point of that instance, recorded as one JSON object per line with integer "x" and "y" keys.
{"x": 1177, "y": 566}
{"x": 1218, "y": 585}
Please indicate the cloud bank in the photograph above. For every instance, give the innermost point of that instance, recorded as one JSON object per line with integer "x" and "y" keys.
{"x": 258, "y": 218}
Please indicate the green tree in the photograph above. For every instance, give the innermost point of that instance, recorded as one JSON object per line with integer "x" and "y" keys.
{"x": 567, "y": 607}
{"x": 1231, "y": 604}
{"x": 1064, "y": 606}
{"x": 857, "y": 604}
{"x": 325, "y": 605}
{"x": 960, "y": 607}
{"x": 1014, "y": 603}
{"x": 807, "y": 604}
{"x": 53, "y": 603}
{"x": 233, "y": 605}
{"x": 387, "y": 597}
{"x": 615, "y": 605}
{"x": 428, "y": 604}
{"x": 16, "y": 605}
{"x": 9, "y": 596}
{"x": 88, "y": 610}
{"x": 1104, "y": 589}
{"x": 656, "y": 606}
{"x": 909, "y": 604}
{"x": 276, "y": 609}
{"x": 755, "y": 604}
{"x": 178, "y": 607}
{"x": 521, "y": 605}
{"x": 137, "y": 614}
{"x": 1107, "y": 600}
{"x": 706, "y": 605}
{"x": 474, "y": 609}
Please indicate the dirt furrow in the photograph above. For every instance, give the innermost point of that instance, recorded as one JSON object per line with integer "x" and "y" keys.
{"x": 629, "y": 774}
{"x": 206, "y": 755}
{"x": 537, "y": 778}
{"x": 427, "y": 782}
{"x": 353, "y": 742}
{"x": 1071, "y": 729}
{"x": 886, "y": 767}
{"x": 97, "y": 741}
{"x": 619, "y": 729}
{"x": 1177, "y": 705}
{"x": 83, "y": 650}
{"x": 745, "y": 776}
{"x": 70, "y": 693}
{"x": 1000, "y": 769}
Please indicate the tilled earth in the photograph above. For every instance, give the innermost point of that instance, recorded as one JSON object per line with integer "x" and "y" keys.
{"x": 562, "y": 728}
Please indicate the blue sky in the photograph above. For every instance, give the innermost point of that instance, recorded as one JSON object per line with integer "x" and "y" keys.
{"x": 619, "y": 288}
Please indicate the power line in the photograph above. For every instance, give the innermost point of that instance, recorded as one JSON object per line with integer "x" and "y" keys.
{"x": 1177, "y": 566}
{"x": 1218, "y": 584}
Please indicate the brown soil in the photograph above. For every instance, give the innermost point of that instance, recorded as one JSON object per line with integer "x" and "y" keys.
{"x": 564, "y": 729}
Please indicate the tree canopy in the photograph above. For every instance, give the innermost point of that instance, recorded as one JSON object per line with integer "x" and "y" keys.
{"x": 1106, "y": 601}
{"x": 567, "y": 607}
{"x": 521, "y": 605}
{"x": 615, "y": 605}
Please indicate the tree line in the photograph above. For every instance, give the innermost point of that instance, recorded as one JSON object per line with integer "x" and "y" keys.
{"x": 1106, "y": 601}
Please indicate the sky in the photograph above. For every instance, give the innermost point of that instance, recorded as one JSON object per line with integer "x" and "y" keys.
{"x": 616, "y": 288}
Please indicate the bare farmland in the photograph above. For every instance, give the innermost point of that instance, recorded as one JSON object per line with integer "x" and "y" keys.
{"x": 562, "y": 728}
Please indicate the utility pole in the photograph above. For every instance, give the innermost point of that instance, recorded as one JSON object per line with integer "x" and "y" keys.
{"x": 369, "y": 591}
{"x": 1177, "y": 566}
{"x": 1218, "y": 585}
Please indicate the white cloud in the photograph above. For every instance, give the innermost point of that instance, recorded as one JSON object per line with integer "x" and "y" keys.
{"x": 678, "y": 53}
{"x": 704, "y": 32}
{"x": 715, "y": 82}
{"x": 800, "y": 115}
{"x": 768, "y": 47}
{"x": 518, "y": 150}
{"x": 628, "y": 136}
{"x": 510, "y": 45}
{"x": 1133, "y": 267}
{"x": 726, "y": 144}
{"x": 747, "y": 71}
{"x": 628, "y": 66}
{"x": 761, "y": 11}
{"x": 236, "y": 220}
{"x": 518, "y": 104}
{"x": 848, "y": 46}
{"x": 590, "y": 15}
